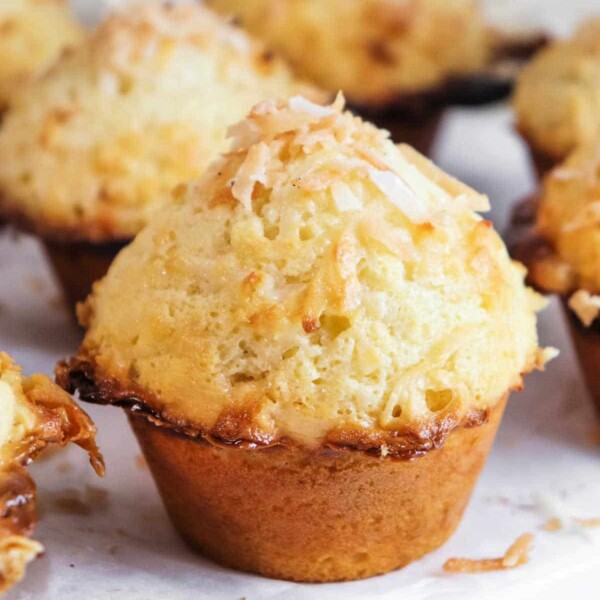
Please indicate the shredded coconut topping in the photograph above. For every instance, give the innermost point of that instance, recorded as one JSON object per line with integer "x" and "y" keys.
{"x": 302, "y": 105}
{"x": 586, "y": 306}
{"x": 397, "y": 192}
{"x": 516, "y": 556}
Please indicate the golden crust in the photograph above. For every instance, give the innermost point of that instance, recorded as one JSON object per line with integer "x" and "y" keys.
{"x": 339, "y": 281}
{"x": 33, "y": 33}
{"x": 97, "y": 144}
{"x": 557, "y": 99}
{"x": 238, "y": 426}
{"x": 35, "y": 414}
{"x": 373, "y": 50}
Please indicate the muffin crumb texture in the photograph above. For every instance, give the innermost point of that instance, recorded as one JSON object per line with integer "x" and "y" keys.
{"x": 33, "y": 33}
{"x": 34, "y": 413}
{"x": 557, "y": 100}
{"x": 374, "y": 50}
{"x": 319, "y": 284}
{"x": 98, "y": 143}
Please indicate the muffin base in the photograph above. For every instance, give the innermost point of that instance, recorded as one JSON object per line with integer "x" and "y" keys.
{"x": 586, "y": 342}
{"x": 313, "y": 516}
{"x": 77, "y": 265}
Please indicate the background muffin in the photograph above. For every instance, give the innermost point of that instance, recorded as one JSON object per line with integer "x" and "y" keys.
{"x": 400, "y": 64}
{"x": 564, "y": 251}
{"x": 96, "y": 145}
{"x": 318, "y": 289}
{"x": 376, "y": 50}
{"x": 34, "y": 414}
{"x": 32, "y": 35}
{"x": 557, "y": 100}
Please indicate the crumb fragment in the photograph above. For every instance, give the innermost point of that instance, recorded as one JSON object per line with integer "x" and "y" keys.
{"x": 516, "y": 556}
{"x": 140, "y": 462}
{"x": 586, "y": 306}
{"x": 552, "y": 525}
{"x": 16, "y": 551}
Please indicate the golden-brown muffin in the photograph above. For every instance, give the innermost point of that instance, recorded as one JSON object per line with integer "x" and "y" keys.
{"x": 557, "y": 99}
{"x": 373, "y": 50}
{"x": 33, "y": 33}
{"x": 559, "y": 241}
{"x": 97, "y": 144}
{"x": 34, "y": 413}
{"x": 569, "y": 220}
{"x": 318, "y": 292}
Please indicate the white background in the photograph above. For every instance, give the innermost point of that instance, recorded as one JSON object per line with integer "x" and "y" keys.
{"x": 113, "y": 540}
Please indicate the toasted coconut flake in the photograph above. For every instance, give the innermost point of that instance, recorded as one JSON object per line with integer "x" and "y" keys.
{"x": 344, "y": 198}
{"x": 252, "y": 171}
{"x": 586, "y": 306}
{"x": 302, "y": 105}
{"x": 544, "y": 356}
{"x": 454, "y": 187}
{"x": 399, "y": 194}
{"x": 516, "y": 556}
{"x": 16, "y": 552}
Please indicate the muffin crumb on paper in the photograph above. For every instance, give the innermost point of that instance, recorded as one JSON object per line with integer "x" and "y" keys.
{"x": 516, "y": 556}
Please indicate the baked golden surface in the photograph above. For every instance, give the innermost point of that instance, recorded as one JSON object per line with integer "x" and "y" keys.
{"x": 372, "y": 50}
{"x": 34, "y": 413}
{"x": 557, "y": 100}
{"x": 32, "y": 35}
{"x": 318, "y": 284}
{"x": 96, "y": 145}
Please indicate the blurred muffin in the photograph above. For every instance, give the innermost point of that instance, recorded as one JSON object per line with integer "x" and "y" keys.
{"x": 557, "y": 99}
{"x": 377, "y": 49}
{"x": 33, "y": 33}
{"x": 34, "y": 414}
{"x": 322, "y": 306}
{"x": 566, "y": 257}
{"x": 400, "y": 63}
{"x": 96, "y": 145}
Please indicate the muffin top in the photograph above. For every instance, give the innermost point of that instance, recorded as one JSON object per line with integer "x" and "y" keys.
{"x": 373, "y": 50}
{"x": 319, "y": 284}
{"x": 34, "y": 413}
{"x": 96, "y": 144}
{"x": 32, "y": 35}
{"x": 557, "y": 100}
{"x": 569, "y": 219}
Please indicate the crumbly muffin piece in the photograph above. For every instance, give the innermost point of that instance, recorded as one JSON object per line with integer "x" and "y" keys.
{"x": 373, "y": 50}
{"x": 557, "y": 100}
{"x": 318, "y": 284}
{"x": 569, "y": 219}
{"x": 34, "y": 413}
{"x": 97, "y": 144}
{"x": 32, "y": 35}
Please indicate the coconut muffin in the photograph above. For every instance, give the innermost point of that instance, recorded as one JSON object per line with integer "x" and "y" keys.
{"x": 343, "y": 310}
{"x": 557, "y": 99}
{"x": 568, "y": 219}
{"x": 33, "y": 33}
{"x": 565, "y": 251}
{"x": 398, "y": 47}
{"x": 400, "y": 63}
{"x": 96, "y": 145}
{"x": 34, "y": 414}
